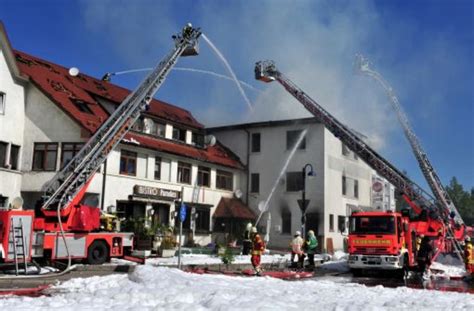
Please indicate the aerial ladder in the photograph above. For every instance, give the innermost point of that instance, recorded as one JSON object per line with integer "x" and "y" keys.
{"x": 444, "y": 203}
{"x": 429, "y": 220}
{"x": 72, "y": 179}
{"x": 266, "y": 71}
{"x": 62, "y": 211}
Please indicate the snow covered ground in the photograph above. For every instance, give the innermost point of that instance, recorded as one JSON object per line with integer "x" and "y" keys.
{"x": 161, "y": 288}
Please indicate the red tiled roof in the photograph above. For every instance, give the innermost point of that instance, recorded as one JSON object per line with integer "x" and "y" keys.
{"x": 63, "y": 89}
{"x": 212, "y": 154}
{"x": 233, "y": 208}
{"x": 55, "y": 81}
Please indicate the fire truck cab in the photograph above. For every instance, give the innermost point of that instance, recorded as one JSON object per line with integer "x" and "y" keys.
{"x": 377, "y": 240}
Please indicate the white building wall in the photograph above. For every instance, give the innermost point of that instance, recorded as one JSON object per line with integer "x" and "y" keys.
{"x": 11, "y": 128}
{"x": 324, "y": 152}
{"x": 45, "y": 122}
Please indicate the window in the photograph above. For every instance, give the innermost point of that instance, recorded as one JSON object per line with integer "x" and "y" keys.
{"x": 184, "y": 173}
{"x": 3, "y": 202}
{"x": 345, "y": 150}
{"x": 128, "y": 163}
{"x": 14, "y": 154}
{"x": 69, "y": 151}
{"x": 139, "y": 125}
{"x": 82, "y": 106}
{"x": 294, "y": 181}
{"x": 202, "y": 219}
{"x": 44, "y": 156}
{"x": 331, "y": 222}
{"x": 2, "y": 102}
{"x": 372, "y": 225}
{"x": 157, "y": 174}
{"x": 255, "y": 183}
{"x": 3, "y": 154}
{"x": 291, "y": 139}
{"x": 344, "y": 186}
{"x": 179, "y": 134}
{"x": 286, "y": 222}
{"x": 356, "y": 188}
{"x": 224, "y": 180}
{"x": 204, "y": 176}
{"x": 341, "y": 223}
{"x": 198, "y": 139}
{"x": 256, "y": 142}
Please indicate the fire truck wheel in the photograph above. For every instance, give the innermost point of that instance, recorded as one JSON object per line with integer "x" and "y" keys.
{"x": 97, "y": 253}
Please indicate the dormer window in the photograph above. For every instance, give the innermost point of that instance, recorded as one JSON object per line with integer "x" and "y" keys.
{"x": 179, "y": 134}
{"x": 82, "y": 106}
{"x": 198, "y": 140}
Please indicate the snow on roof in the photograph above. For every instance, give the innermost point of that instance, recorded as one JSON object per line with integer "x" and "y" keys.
{"x": 76, "y": 96}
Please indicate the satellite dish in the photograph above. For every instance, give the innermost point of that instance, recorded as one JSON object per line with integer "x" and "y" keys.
{"x": 73, "y": 71}
{"x": 17, "y": 203}
{"x": 238, "y": 193}
{"x": 210, "y": 140}
{"x": 261, "y": 206}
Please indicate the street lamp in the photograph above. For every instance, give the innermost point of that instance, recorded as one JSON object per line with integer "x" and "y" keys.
{"x": 303, "y": 203}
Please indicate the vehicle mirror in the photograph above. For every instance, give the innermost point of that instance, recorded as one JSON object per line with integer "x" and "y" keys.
{"x": 405, "y": 227}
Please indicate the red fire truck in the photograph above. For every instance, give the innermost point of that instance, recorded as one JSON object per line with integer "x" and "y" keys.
{"x": 63, "y": 227}
{"x": 380, "y": 240}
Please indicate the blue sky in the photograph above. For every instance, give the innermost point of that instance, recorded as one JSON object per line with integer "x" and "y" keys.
{"x": 424, "y": 49}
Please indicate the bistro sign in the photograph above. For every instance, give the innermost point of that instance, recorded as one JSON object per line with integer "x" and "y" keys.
{"x": 155, "y": 193}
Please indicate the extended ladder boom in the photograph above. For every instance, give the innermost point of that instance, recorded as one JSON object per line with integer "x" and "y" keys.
{"x": 267, "y": 72}
{"x": 427, "y": 169}
{"x": 67, "y": 183}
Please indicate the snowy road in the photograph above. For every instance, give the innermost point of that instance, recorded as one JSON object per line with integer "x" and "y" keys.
{"x": 160, "y": 288}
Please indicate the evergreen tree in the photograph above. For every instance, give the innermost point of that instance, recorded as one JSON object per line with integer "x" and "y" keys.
{"x": 462, "y": 199}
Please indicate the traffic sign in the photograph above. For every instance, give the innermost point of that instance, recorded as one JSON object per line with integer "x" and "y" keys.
{"x": 182, "y": 212}
{"x": 303, "y": 205}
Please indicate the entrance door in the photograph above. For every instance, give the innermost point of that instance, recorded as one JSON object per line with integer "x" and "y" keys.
{"x": 161, "y": 215}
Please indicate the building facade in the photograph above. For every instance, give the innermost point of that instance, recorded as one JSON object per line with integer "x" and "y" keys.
{"x": 342, "y": 182}
{"x": 161, "y": 162}
{"x": 11, "y": 123}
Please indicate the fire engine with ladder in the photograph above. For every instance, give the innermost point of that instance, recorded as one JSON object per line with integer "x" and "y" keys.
{"x": 66, "y": 228}
{"x": 385, "y": 239}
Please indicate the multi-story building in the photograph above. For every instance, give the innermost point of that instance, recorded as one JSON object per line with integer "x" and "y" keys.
{"x": 342, "y": 182}
{"x": 164, "y": 158}
{"x": 12, "y": 119}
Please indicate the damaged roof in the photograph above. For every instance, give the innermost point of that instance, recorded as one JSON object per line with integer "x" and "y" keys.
{"x": 79, "y": 96}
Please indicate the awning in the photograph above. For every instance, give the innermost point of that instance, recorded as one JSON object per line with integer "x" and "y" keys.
{"x": 233, "y": 208}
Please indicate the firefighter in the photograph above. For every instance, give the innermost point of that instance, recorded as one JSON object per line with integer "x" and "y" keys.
{"x": 311, "y": 245}
{"x": 418, "y": 241}
{"x": 297, "y": 250}
{"x": 247, "y": 241}
{"x": 258, "y": 246}
{"x": 469, "y": 255}
{"x": 425, "y": 254}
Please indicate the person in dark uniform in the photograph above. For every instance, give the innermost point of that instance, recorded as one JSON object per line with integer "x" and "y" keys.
{"x": 425, "y": 254}
{"x": 247, "y": 241}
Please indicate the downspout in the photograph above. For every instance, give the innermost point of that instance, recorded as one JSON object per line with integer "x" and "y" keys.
{"x": 247, "y": 165}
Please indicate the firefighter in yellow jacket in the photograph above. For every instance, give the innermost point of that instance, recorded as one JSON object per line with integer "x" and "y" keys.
{"x": 469, "y": 255}
{"x": 258, "y": 247}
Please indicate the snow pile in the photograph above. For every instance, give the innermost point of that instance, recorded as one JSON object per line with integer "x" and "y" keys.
{"x": 161, "y": 288}
{"x": 448, "y": 270}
